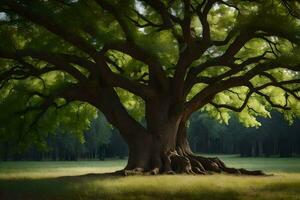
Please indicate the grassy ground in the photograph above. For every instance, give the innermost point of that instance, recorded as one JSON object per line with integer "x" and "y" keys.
{"x": 47, "y": 180}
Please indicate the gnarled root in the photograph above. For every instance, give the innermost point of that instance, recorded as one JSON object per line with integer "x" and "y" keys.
{"x": 218, "y": 166}
{"x": 180, "y": 164}
{"x": 184, "y": 164}
{"x": 174, "y": 162}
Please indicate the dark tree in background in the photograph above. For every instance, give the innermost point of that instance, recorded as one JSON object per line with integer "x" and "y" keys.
{"x": 161, "y": 59}
{"x": 275, "y": 137}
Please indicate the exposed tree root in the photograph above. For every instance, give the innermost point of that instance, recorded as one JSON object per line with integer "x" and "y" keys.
{"x": 185, "y": 163}
{"x": 216, "y": 165}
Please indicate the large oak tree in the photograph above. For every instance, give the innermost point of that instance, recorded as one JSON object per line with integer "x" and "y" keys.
{"x": 165, "y": 59}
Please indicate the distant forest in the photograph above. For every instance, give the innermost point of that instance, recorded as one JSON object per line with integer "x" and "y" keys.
{"x": 274, "y": 138}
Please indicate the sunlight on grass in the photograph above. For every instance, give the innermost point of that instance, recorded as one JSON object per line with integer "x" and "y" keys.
{"x": 60, "y": 180}
{"x": 194, "y": 187}
{"x": 51, "y": 169}
{"x": 9, "y": 170}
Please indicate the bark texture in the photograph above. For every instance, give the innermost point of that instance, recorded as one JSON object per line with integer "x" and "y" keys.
{"x": 167, "y": 151}
{"x": 152, "y": 156}
{"x": 162, "y": 147}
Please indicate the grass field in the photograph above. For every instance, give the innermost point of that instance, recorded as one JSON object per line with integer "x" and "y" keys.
{"x": 64, "y": 180}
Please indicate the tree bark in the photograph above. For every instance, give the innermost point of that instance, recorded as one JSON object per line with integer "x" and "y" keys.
{"x": 162, "y": 146}
{"x": 165, "y": 148}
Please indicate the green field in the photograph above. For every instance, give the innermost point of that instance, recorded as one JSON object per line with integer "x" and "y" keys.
{"x": 83, "y": 180}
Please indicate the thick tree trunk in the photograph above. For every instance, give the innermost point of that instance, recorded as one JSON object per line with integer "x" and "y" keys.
{"x": 167, "y": 151}
{"x": 161, "y": 147}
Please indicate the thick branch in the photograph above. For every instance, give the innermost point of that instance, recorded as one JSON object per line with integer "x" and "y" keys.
{"x": 119, "y": 17}
{"x": 51, "y": 26}
{"x": 57, "y": 60}
{"x": 207, "y": 94}
{"x": 157, "y": 75}
{"x": 162, "y": 10}
{"x": 117, "y": 80}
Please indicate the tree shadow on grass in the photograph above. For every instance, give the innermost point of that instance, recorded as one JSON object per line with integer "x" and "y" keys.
{"x": 107, "y": 186}
{"x": 64, "y": 187}
{"x": 110, "y": 175}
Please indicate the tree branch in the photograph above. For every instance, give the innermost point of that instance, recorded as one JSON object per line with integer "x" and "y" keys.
{"x": 51, "y": 26}
{"x": 119, "y": 17}
{"x": 157, "y": 74}
{"x": 58, "y": 60}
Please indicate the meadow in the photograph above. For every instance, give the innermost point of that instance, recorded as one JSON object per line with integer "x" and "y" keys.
{"x": 87, "y": 180}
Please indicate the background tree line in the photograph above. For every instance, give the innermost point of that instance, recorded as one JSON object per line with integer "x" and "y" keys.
{"x": 275, "y": 137}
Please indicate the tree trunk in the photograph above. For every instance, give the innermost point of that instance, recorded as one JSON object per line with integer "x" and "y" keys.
{"x": 161, "y": 147}
{"x": 165, "y": 149}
